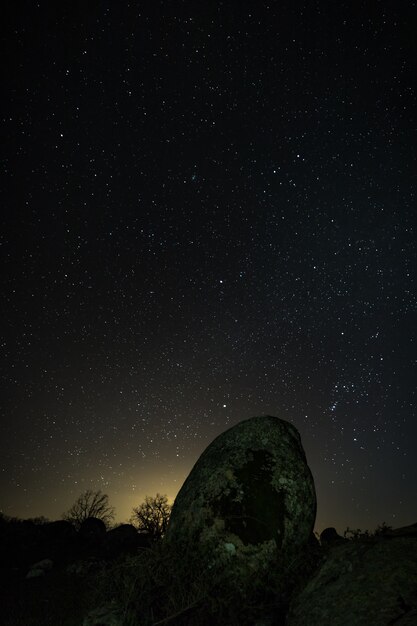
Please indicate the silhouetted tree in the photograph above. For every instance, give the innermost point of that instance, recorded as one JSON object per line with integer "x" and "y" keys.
{"x": 90, "y": 504}
{"x": 152, "y": 515}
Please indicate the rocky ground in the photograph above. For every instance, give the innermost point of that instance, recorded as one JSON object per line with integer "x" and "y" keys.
{"x": 239, "y": 551}
{"x": 369, "y": 580}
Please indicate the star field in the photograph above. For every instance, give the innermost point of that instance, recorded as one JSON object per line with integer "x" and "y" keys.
{"x": 208, "y": 214}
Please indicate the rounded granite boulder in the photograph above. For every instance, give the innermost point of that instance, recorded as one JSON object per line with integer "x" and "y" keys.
{"x": 249, "y": 502}
{"x": 362, "y": 582}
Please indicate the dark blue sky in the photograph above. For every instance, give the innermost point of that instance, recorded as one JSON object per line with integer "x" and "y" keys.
{"x": 208, "y": 214}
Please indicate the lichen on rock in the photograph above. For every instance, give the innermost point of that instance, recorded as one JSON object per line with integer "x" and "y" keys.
{"x": 251, "y": 488}
{"x": 372, "y": 580}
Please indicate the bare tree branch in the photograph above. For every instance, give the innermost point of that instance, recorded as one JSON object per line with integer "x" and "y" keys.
{"x": 152, "y": 515}
{"x": 90, "y": 504}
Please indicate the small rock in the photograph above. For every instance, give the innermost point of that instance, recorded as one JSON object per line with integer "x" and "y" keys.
{"x": 329, "y": 536}
{"x": 40, "y": 568}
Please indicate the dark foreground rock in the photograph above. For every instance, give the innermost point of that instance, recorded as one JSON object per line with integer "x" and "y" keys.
{"x": 248, "y": 505}
{"x": 330, "y": 537}
{"x": 371, "y": 581}
{"x": 125, "y": 539}
{"x": 92, "y": 537}
{"x": 60, "y": 541}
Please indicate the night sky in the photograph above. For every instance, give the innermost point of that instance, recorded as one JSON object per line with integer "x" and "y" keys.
{"x": 208, "y": 213}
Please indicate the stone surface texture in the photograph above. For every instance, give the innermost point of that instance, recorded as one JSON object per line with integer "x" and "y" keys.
{"x": 362, "y": 582}
{"x": 249, "y": 501}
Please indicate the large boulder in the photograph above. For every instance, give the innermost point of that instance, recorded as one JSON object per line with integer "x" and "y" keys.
{"x": 124, "y": 538}
{"x": 60, "y": 540}
{"x": 330, "y": 537}
{"x": 92, "y": 528}
{"x": 21, "y": 543}
{"x": 92, "y": 536}
{"x": 59, "y": 531}
{"x": 249, "y": 503}
{"x": 365, "y": 581}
